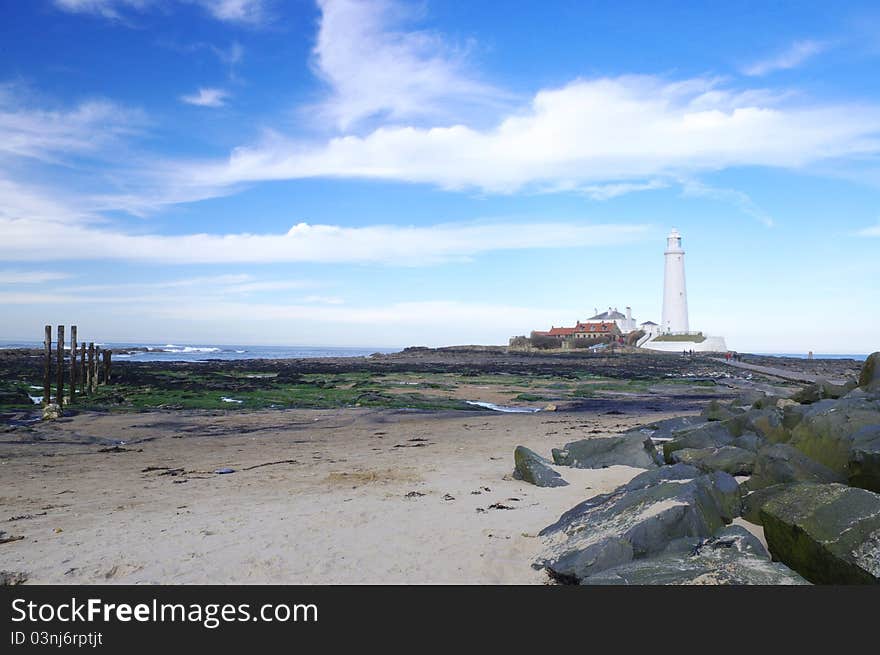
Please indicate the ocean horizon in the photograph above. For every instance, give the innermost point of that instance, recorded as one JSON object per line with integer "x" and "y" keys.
{"x": 204, "y": 351}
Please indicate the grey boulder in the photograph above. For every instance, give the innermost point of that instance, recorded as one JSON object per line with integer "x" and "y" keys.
{"x": 530, "y": 467}
{"x": 829, "y": 533}
{"x": 863, "y": 468}
{"x": 629, "y": 449}
{"x": 730, "y": 459}
{"x": 630, "y": 524}
{"x": 782, "y": 463}
{"x": 732, "y": 556}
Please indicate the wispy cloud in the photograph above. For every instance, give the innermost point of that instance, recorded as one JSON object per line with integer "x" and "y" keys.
{"x": 206, "y": 97}
{"x": 234, "y": 11}
{"x": 39, "y": 133}
{"x": 8, "y": 277}
{"x": 24, "y": 240}
{"x": 740, "y": 199}
{"x": 374, "y": 67}
{"x": 871, "y": 231}
{"x": 798, "y": 53}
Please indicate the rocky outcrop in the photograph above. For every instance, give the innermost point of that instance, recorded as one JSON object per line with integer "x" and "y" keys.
{"x": 825, "y": 433}
{"x": 730, "y": 459}
{"x": 712, "y": 434}
{"x": 766, "y": 423}
{"x": 714, "y": 411}
{"x": 753, "y": 501}
{"x": 629, "y": 449}
{"x": 530, "y": 467}
{"x": 863, "y": 468}
{"x": 782, "y": 463}
{"x": 821, "y": 390}
{"x": 869, "y": 378}
{"x": 829, "y": 533}
{"x": 631, "y": 524}
{"x": 732, "y": 556}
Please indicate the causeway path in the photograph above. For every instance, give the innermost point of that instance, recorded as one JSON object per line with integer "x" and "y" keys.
{"x": 794, "y": 376}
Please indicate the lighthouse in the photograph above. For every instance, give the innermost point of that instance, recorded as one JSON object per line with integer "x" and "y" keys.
{"x": 675, "y": 304}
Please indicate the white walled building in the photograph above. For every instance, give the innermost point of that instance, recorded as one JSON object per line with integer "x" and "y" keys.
{"x": 624, "y": 322}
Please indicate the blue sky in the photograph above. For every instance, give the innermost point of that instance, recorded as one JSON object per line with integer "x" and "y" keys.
{"x": 383, "y": 173}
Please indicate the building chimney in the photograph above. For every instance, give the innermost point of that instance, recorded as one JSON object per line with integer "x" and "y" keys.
{"x": 629, "y": 313}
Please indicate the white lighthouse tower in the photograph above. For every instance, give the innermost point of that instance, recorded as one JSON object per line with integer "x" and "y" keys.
{"x": 675, "y": 304}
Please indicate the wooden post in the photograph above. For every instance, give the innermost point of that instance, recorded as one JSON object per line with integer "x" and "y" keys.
{"x": 72, "y": 362}
{"x": 47, "y": 366}
{"x": 97, "y": 366}
{"x": 59, "y": 389}
{"x": 90, "y": 371}
{"x": 82, "y": 368}
{"x": 107, "y": 355}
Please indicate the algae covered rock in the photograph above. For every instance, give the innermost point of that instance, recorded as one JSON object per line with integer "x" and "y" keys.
{"x": 782, "y": 463}
{"x": 530, "y": 467}
{"x": 826, "y": 430}
{"x": 630, "y": 449}
{"x": 730, "y": 459}
{"x": 732, "y": 556}
{"x": 766, "y": 423}
{"x": 629, "y": 524}
{"x": 869, "y": 378}
{"x": 714, "y": 411}
{"x": 829, "y": 533}
{"x": 707, "y": 435}
{"x": 755, "y": 500}
{"x": 863, "y": 468}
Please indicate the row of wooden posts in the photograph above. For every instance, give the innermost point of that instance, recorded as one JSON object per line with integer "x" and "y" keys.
{"x": 86, "y": 373}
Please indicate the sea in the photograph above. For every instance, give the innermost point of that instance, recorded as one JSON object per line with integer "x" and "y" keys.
{"x": 200, "y": 352}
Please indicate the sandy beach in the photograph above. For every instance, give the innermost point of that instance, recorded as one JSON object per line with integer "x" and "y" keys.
{"x": 372, "y": 496}
{"x": 128, "y": 486}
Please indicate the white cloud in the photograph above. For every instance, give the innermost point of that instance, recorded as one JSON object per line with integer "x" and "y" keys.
{"x": 374, "y": 68}
{"x": 234, "y": 11}
{"x": 30, "y": 277}
{"x": 44, "y": 134}
{"x": 871, "y": 231}
{"x": 206, "y": 97}
{"x": 25, "y": 240}
{"x": 798, "y": 53}
{"x": 239, "y": 11}
{"x": 625, "y": 130}
{"x": 105, "y": 8}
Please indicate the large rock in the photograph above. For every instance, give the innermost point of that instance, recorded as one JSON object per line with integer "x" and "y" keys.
{"x": 730, "y": 459}
{"x": 630, "y": 449}
{"x": 829, "y": 533}
{"x": 662, "y": 474}
{"x": 749, "y": 441}
{"x": 863, "y": 468}
{"x": 707, "y": 435}
{"x": 869, "y": 379}
{"x": 733, "y": 556}
{"x": 766, "y": 423}
{"x": 661, "y": 430}
{"x": 628, "y": 524}
{"x": 821, "y": 390}
{"x": 714, "y": 411}
{"x": 826, "y": 430}
{"x": 755, "y": 500}
{"x": 782, "y": 463}
{"x": 530, "y": 467}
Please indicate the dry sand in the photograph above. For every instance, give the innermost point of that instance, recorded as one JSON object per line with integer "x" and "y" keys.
{"x": 339, "y": 514}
